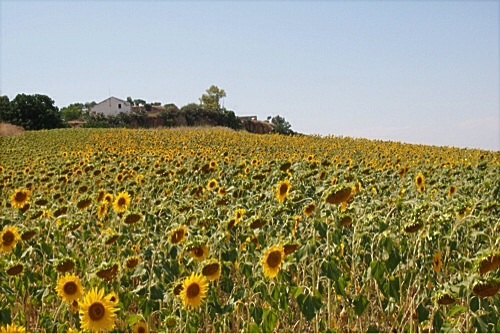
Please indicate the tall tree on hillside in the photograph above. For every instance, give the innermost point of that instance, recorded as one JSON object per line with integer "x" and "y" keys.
{"x": 211, "y": 100}
{"x": 34, "y": 112}
{"x": 282, "y": 126}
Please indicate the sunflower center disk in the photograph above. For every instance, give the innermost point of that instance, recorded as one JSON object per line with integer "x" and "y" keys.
{"x": 20, "y": 197}
{"x": 96, "y": 311}
{"x": 121, "y": 202}
{"x": 198, "y": 251}
{"x": 193, "y": 290}
{"x": 283, "y": 189}
{"x": 177, "y": 236}
{"x": 70, "y": 288}
{"x": 7, "y": 238}
{"x": 274, "y": 259}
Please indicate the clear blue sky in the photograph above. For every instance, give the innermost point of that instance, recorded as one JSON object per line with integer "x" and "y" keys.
{"x": 413, "y": 71}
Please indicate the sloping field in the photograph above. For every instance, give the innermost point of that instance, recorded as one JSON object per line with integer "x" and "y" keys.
{"x": 9, "y": 130}
{"x": 208, "y": 230}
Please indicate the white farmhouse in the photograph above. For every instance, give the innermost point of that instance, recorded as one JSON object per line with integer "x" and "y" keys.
{"x": 111, "y": 107}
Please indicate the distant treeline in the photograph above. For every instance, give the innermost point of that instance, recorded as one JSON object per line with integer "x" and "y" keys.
{"x": 36, "y": 112}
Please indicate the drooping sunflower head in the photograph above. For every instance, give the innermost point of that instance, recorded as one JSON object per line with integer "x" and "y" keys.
{"x": 194, "y": 291}
{"x": 132, "y": 218}
{"x": 132, "y": 262}
{"x": 171, "y": 321}
{"x": 437, "y": 262}
{"x": 9, "y": 239}
{"x": 178, "y": 235}
{"x": 238, "y": 216}
{"x": 273, "y": 260}
{"x": 97, "y": 314}
{"x": 283, "y": 190}
{"x": 102, "y": 210}
{"x": 140, "y": 327}
{"x": 108, "y": 199}
{"x": 338, "y": 195}
{"x": 20, "y": 198}
{"x": 222, "y": 191}
{"x": 69, "y": 288}
{"x": 211, "y": 270}
{"x": 122, "y": 202}
{"x": 309, "y": 209}
{"x": 66, "y": 264}
{"x": 100, "y": 195}
{"x": 15, "y": 268}
{"x": 488, "y": 262}
{"x": 84, "y": 203}
{"x": 452, "y": 191}
{"x": 199, "y": 252}
{"x": 107, "y": 271}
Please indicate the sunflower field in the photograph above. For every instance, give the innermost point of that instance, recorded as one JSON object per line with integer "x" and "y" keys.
{"x": 212, "y": 230}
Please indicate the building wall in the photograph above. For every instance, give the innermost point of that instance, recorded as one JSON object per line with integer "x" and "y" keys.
{"x": 111, "y": 107}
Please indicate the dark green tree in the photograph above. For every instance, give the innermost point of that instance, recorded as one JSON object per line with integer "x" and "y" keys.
{"x": 34, "y": 112}
{"x": 211, "y": 100}
{"x": 282, "y": 126}
{"x": 4, "y": 106}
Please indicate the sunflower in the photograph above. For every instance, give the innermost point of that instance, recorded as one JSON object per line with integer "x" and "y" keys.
{"x": 309, "y": 209}
{"x": 212, "y": 185}
{"x": 108, "y": 199}
{"x": 15, "y": 269}
{"x": 132, "y": 262}
{"x": 69, "y": 288}
{"x": 20, "y": 198}
{"x": 257, "y": 223}
{"x": 420, "y": 183}
{"x": 102, "y": 210}
{"x": 122, "y": 202}
{"x": 489, "y": 262}
{"x": 199, "y": 252}
{"x": 100, "y": 195}
{"x": 171, "y": 321}
{"x": 140, "y": 327}
{"x": 113, "y": 298}
{"x": 84, "y": 203}
{"x": 272, "y": 261}
{"x": 107, "y": 271}
{"x": 132, "y": 218}
{"x": 437, "y": 262}
{"x": 178, "y": 235}
{"x": 194, "y": 291}
{"x": 64, "y": 265}
{"x": 96, "y": 312}
{"x": 452, "y": 191}
{"x": 240, "y": 213}
{"x": 338, "y": 195}
{"x": 12, "y": 329}
{"x": 283, "y": 190}
{"x": 9, "y": 237}
{"x": 222, "y": 192}
{"x": 211, "y": 270}
{"x": 445, "y": 298}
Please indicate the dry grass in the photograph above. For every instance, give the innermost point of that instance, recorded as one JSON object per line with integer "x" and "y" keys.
{"x": 9, "y": 130}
